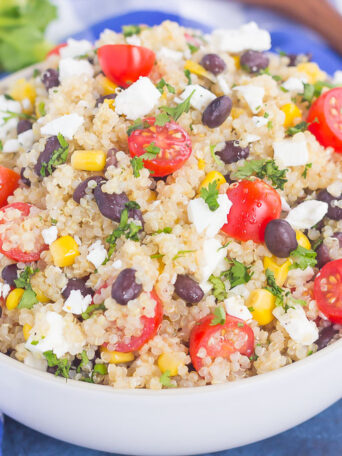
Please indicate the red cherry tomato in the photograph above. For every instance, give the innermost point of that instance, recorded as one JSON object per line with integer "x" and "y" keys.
{"x": 174, "y": 143}
{"x": 150, "y": 328}
{"x": 255, "y": 203}
{"x": 220, "y": 340}
{"x": 328, "y": 290}
{"x": 124, "y": 63}
{"x": 56, "y": 49}
{"x": 8, "y": 183}
{"x": 325, "y": 119}
{"x": 16, "y": 253}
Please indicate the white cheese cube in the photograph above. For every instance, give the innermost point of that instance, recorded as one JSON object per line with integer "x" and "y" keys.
{"x": 97, "y": 254}
{"x": 67, "y": 125}
{"x": 75, "y": 48}
{"x": 240, "y": 290}
{"x": 251, "y": 138}
{"x": 26, "y": 139}
{"x": 138, "y": 100}
{"x": 76, "y": 303}
{"x": 284, "y": 205}
{"x": 248, "y": 36}
{"x": 206, "y": 220}
{"x": 10, "y": 146}
{"x": 133, "y": 40}
{"x": 253, "y": 95}
{"x": 167, "y": 53}
{"x": 201, "y": 97}
{"x": 36, "y": 361}
{"x": 296, "y": 323}
{"x": 337, "y": 77}
{"x": 214, "y": 256}
{"x": 307, "y": 214}
{"x": 291, "y": 153}
{"x": 260, "y": 121}
{"x": 117, "y": 264}
{"x": 4, "y": 290}
{"x": 223, "y": 85}
{"x": 294, "y": 84}
{"x": 50, "y": 234}
{"x": 70, "y": 68}
{"x": 235, "y": 306}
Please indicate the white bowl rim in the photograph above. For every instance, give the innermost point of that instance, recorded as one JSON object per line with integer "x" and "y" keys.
{"x": 143, "y": 392}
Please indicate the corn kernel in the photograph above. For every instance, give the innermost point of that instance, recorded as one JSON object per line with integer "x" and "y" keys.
{"x": 291, "y": 112}
{"x": 169, "y": 362}
{"x": 115, "y": 357}
{"x": 23, "y": 89}
{"x": 196, "y": 68}
{"x": 41, "y": 296}
{"x": 26, "y": 330}
{"x": 201, "y": 164}
{"x": 280, "y": 271}
{"x": 108, "y": 87}
{"x": 110, "y": 103}
{"x": 236, "y": 112}
{"x": 64, "y": 251}
{"x": 211, "y": 177}
{"x": 302, "y": 240}
{"x": 236, "y": 59}
{"x": 261, "y": 303}
{"x": 312, "y": 71}
{"x": 88, "y": 160}
{"x": 14, "y": 298}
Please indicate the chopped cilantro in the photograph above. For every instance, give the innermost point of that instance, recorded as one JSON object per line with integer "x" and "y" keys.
{"x": 41, "y": 109}
{"x": 138, "y": 124}
{"x": 273, "y": 288}
{"x": 301, "y": 126}
{"x": 219, "y": 288}
{"x": 251, "y": 309}
{"x": 283, "y": 89}
{"x": 269, "y": 125}
{"x": 210, "y": 195}
{"x": 151, "y": 151}
{"x": 162, "y": 119}
{"x": 303, "y": 258}
{"x": 8, "y": 96}
{"x": 91, "y": 310}
{"x": 166, "y": 230}
{"x": 305, "y": 172}
{"x": 192, "y": 48}
{"x": 262, "y": 168}
{"x": 100, "y": 369}
{"x": 273, "y": 76}
{"x": 237, "y": 274}
{"x": 130, "y": 30}
{"x": 240, "y": 324}
{"x": 312, "y": 91}
{"x": 36, "y": 73}
{"x": 29, "y": 297}
{"x": 177, "y": 111}
{"x": 58, "y": 157}
{"x": 216, "y": 159}
{"x": 188, "y": 76}
{"x": 15, "y": 115}
{"x": 53, "y": 221}
{"x": 63, "y": 366}
{"x": 137, "y": 162}
{"x": 84, "y": 361}
{"x": 253, "y": 357}
{"x": 137, "y": 165}
{"x": 35, "y": 342}
{"x": 1, "y": 146}
{"x": 310, "y": 352}
{"x": 181, "y": 253}
{"x": 157, "y": 256}
{"x": 220, "y": 316}
{"x": 166, "y": 381}
{"x": 224, "y": 245}
{"x": 316, "y": 244}
{"x": 162, "y": 83}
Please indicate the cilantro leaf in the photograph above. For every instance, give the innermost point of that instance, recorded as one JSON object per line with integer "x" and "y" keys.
{"x": 181, "y": 253}
{"x": 301, "y": 126}
{"x": 219, "y": 288}
{"x": 91, "y": 310}
{"x": 273, "y": 288}
{"x": 130, "y": 30}
{"x": 100, "y": 369}
{"x": 305, "y": 172}
{"x": 137, "y": 165}
{"x": 59, "y": 156}
{"x": 192, "y": 48}
{"x": 138, "y": 124}
{"x": 303, "y": 258}
{"x": 216, "y": 159}
{"x": 237, "y": 274}
{"x": 137, "y": 162}
{"x": 84, "y": 361}
{"x": 29, "y": 297}
{"x": 188, "y": 76}
{"x": 162, "y": 83}
{"x": 23, "y": 281}
{"x": 166, "y": 381}
{"x": 166, "y": 230}
{"x": 177, "y": 111}
{"x": 63, "y": 366}
{"x": 210, "y": 195}
{"x": 41, "y": 109}
{"x": 312, "y": 91}
{"x": 220, "y": 316}
{"x": 161, "y": 119}
{"x": 262, "y": 168}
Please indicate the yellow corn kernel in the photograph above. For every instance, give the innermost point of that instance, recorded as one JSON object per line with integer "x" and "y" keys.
{"x": 26, "y": 330}
{"x": 302, "y": 240}
{"x": 110, "y": 103}
{"x": 196, "y": 68}
{"x": 201, "y": 164}
{"x": 261, "y": 303}
{"x": 108, "y": 87}
{"x": 22, "y": 89}
{"x": 312, "y": 71}
{"x": 14, "y": 298}
{"x": 280, "y": 271}
{"x": 41, "y": 296}
{"x": 169, "y": 362}
{"x": 115, "y": 357}
{"x": 236, "y": 112}
{"x": 211, "y": 177}
{"x": 291, "y": 112}
{"x": 236, "y": 59}
{"x": 64, "y": 251}
{"x": 88, "y": 160}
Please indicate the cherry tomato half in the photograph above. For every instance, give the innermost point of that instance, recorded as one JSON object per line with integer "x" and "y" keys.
{"x": 174, "y": 143}
{"x": 8, "y": 183}
{"x": 16, "y": 253}
{"x": 125, "y": 63}
{"x": 150, "y": 328}
{"x": 255, "y": 203}
{"x": 328, "y": 290}
{"x": 56, "y": 49}
{"x": 220, "y": 340}
{"x": 325, "y": 119}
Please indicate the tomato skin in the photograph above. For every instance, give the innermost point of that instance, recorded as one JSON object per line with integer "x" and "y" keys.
{"x": 175, "y": 150}
{"x": 16, "y": 254}
{"x": 150, "y": 328}
{"x": 56, "y": 49}
{"x": 202, "y": 332}
{"x": 331, "y": 290}
{"x": 327, "y": 110}
{"x": 8, "y": 183}
{"x": 255, "y": 203}
{"x": 125, "y": 63}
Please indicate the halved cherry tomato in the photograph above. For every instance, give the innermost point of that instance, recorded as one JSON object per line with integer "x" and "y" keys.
{"x": 255, "y": 203}
{"x": 16, "y": 253}
{"x": 220, "y": 340}
{"x": 325, "y": 119}
{"x": 56, "y": 49}
{"x": 328, "y": 290}
{"x": 8, "y": 183}
{"x": 174, "y": 143}
{"x": 125, "y": 63}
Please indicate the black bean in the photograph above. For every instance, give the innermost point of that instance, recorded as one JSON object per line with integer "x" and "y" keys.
{"x": 323, "y": 256}
{"x": 25, "y": 180}
{"x": 334, "y": 212}
{"x": 325, "y": 336}
{"x": 111, "y": 205}
{"x": 295, "y": 59}
{"x": 102, "y": 98}
{"x": 52, "y": 369}
{"x": 23, "y": 125}
{"x": 229, "y": 179}
{"x": 0, "y": 311}
{"x": 213, "y": 63}
{"x": 188, "y": 289}
{"x": 338, "y": 235}
{"x": 280, "y": 238}
{"x": 81, "y": 190}
{"x": 254, "y": 61}
{"x": 51, "y": 145}
{"x": 50, "y": 78}
{"x": 125, "y": 288}
{"x": 232, "y": 152}
{"x": 111, "y": 159}
{"x": 217, "y": 112}
{"x": 77, "y": 284}
{"x": 9, "y": 274}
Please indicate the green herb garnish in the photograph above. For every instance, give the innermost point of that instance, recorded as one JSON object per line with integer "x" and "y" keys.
{"x": 273, "y": 288}
{"x": 192, "y": 48}
{"x": 138, "y": 124}
{"x": 303, "y": 258}
{"x": 162, "y": 119}
{"x": 216, "y": 159}
{"x": 162, "y": 83}
{"x": 219, "y": 288}
{"x": 166, "y": 230}
{"x": 100, "y": 369}
{"x": 29, "y": 297}
{"x": 166, "y": 381}
{"x": 91, "y": 310}
{"x": 220, "y": 316}
{"x": 58, "y": 157}
{"x": 41, "y": 109}
{"x": 238, "y": 274}
{"x": 84, "y": 361}
{"x": 262, "y": 168}
{"x": 157, "y": 256}
{"x": 177, "y": 111}
{"x": 63, "y": 366}
{"x": 305, "y": 172}
{"x": 137, "y": 162}
{"x": 210, "y": 195}
{"x": 301, "y": 126}
{"x": 182, "y": 253}
{"x": 188, "y": 76}
{"x": 130, "y": 30}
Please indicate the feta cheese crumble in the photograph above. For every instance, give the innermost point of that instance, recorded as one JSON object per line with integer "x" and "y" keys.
{"x": 235, "y": 306}
{"x": 4, "y": 290}
{"x": 138, "y": 100}
{"x": 69, "y": 68}
{"x": 251, "y": 138}
{"x": 253, "y": 96}
{"x": 97, "y": 254}
{"x": 133, "y": 40}
{"x": 75, "y": 48}
{"x": 167, "y": 53}
{"x": 76, "y": 303}
{"x": 223, "y": 85}
{"x": 296, "y": 323}
{"x": 290, "y": 152}
{"x": 307, "y": 214}
{"x": 201, "y": 97}
{"x": 67, "y": 125}
{"x": 50, "y": 234}
{"x": 294, "y": 84}
{"x": 26, "y": 139}
{"x": 213, "y": 261}
{"x": 260, "y": 121}
{"x": 10, "y": 146}
{"x": 248, "y": 36}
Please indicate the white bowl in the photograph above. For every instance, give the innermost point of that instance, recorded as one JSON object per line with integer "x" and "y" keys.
{"x": 171, "y": 422}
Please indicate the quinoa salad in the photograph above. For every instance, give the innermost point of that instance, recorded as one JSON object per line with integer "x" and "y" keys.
{"x": 170, "y": 208}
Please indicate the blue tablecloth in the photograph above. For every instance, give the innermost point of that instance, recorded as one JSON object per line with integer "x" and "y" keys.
{"x": 322, "y": 435}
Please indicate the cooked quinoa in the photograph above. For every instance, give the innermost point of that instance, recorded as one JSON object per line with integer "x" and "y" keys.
{"x": 83, "y": 329}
